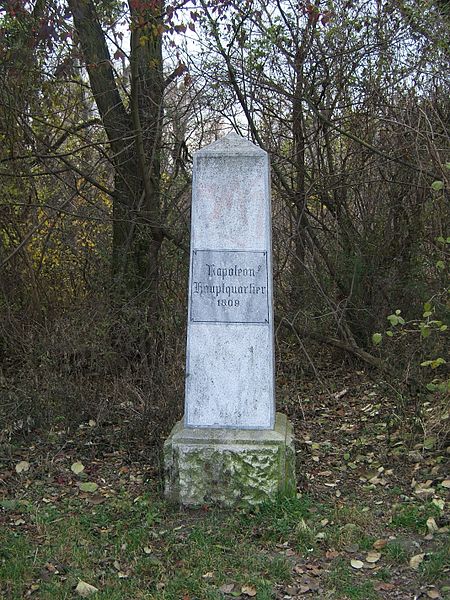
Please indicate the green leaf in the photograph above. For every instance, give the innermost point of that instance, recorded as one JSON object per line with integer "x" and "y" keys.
{"x": 427, "y": 313}
{"x": 440, "y": 240}
{"x": 88, "y": 486}
{"x": 440, "y": 264}
{"x": 390, "y": 333}
{"x": 447, "y": 165}
{"x": 443, "y": 328}
{"x": 376, "y": 339}
{"x": 427, "y": 306}
{"x": 429, "y": 442}
{"x": 424, "y": 331}
{"x": 437, "y": 185}
{"x": 437, "y": 363}
{"x": 393, "y": 319}
{"x": 77, "y": 468}
{"x": 398, "y": 312}
{"x": 444, "y": 386}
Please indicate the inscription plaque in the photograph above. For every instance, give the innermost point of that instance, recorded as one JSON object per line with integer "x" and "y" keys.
{"x": 229, "y": 286}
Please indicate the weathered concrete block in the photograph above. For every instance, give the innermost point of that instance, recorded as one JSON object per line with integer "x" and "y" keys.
{"x": 226, "y": 467}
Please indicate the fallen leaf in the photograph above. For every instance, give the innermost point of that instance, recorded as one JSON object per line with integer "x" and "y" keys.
{"x": 88, "y": 486}
{"x": 383, "y": 586}
{"x": 373, "y": 557}
{"x": 208, "y": 575}
{"x": 423, "y": 492}
{"x": 439, "y": 503}
{"x": 96, "y": 500}
{"x": 433, "y": 593}
{"x": 22, "y": 467}
{"x": 226, "y": 588}
{"x": 357, "y": 564}
{"x": 19, "y": 522}
{"x": 304, "y": 588}
{"x": 432, "y": 525}
{"x": 446, "y": 483}
{"x": 379, "y": 544}
{"x": 77, "y": 468}
{"x": 85, "y": 590}
{"x": 331, "y": 554}
{"x": 248, "y": 590}
{"x": 314, "y": 569}
{"x": 415, "y": 561}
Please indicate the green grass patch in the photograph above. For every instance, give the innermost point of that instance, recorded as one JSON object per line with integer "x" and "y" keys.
{"x": 348, "y": 584}
{"x": 413, "y": 517}
{"x": 140, "y": 548}
{"x": 436, "y": 564}
{"x": 396, "y": 553}
{"x": 16, "y": 563}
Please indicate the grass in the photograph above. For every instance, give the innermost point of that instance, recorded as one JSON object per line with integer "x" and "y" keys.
{"x": 349, "y": 584}
{"x": 413, "y": 517}
{"x": 436, "y": 563}
{"x": 137, "y": 548}
{"x": 396, "y": 553}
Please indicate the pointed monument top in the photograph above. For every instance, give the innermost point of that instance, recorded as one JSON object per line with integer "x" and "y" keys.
{"x": 230, "y": 144}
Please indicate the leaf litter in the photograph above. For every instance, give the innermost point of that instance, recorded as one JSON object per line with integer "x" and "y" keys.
{"x": 356, "y": 468}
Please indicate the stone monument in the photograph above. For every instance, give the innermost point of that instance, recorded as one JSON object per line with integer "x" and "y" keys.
{"x": 231, "y": 446}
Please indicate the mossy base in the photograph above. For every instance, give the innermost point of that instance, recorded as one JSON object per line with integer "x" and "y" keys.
{"x": 227, "y": 467}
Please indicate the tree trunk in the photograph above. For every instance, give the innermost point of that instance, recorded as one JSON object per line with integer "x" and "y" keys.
{"x": 134, "y": 136}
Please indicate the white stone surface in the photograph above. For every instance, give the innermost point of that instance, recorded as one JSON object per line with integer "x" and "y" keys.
{"x": 230, "y": 352}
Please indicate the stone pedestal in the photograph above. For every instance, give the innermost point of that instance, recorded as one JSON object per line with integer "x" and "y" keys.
{"x": 228, "y": 467}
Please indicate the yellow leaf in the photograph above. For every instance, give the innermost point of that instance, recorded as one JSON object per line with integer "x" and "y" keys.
{"x": 373, "y": 557}
{"x": 415, "y": 561}
{"x": 22, "y": 466}
{"x": 432, "y": 525}
{"x": 357, "y": 564}
{"x": 85, "y": 590}
{"x": 248, "y": 590}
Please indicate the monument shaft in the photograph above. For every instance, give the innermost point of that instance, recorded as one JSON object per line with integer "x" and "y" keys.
{"x": 230, "y": 351}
